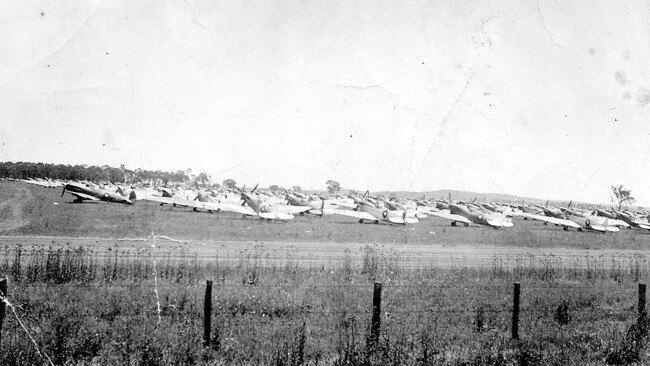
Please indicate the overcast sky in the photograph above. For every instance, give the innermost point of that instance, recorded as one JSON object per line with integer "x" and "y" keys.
{"x": 547, "y": 99}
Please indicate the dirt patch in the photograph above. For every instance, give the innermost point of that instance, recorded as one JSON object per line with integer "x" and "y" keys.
{"x": 310, "y": 254}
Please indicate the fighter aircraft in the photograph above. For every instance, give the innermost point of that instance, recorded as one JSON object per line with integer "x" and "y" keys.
{"x": 253, "y": 206}
{"x": 316, "y": 207}
{"x": 368, "y": 209}
{"x": 83, "y": 193}
{"x": 633, "y": 220}
{"x": 167, "y": 197}
{"x": 576, "y": 218}
{"x": 49, "y": 183}
{"x": 469, "y": 213}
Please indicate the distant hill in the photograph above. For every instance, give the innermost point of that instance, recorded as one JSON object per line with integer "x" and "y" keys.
{"x": 480, "y": 197}
{"x": 469, "y": 196}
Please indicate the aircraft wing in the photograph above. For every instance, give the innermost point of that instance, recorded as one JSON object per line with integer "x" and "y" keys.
{"x": 400, "y": 220}
{"x": 275, "y": 215}
{"x": 598, "y": 227}
{"x": 84, "y": 196}
{"x": 424, "y": 211}
{"x": 244, "y": 210}
{"x": 230, "y": 207}
{"x": 500, "y": 222}
{"x": 356, "y": 214}
{"x": 554, "y": 220}
{"x": 341, "y": 204}
{"x": 165, "y": 200}
{"x": 174, "y": 200}
{"x": 212, "y": 206}
{"x": 186, "y": 203}
{"x": 642, "y": 224}
{"x": 617, "y": 222}
{"x": 450, "y": 216}
{"x": 286, "y": 209}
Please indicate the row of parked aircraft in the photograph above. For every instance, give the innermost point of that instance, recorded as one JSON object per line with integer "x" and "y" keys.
{"x": 284, "y": 205}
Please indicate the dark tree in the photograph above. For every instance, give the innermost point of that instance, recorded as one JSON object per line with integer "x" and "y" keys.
{"x": 621, "y": 196}
{"x": 229, "y": 183}
{"x": 333, "y": 186}
{"x": 203, "y": 178}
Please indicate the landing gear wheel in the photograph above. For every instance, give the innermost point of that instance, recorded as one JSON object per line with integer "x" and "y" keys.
{"x": 466, "y": 224}
{"x": 453, "y": 223}
{"x": 361, "y": 221}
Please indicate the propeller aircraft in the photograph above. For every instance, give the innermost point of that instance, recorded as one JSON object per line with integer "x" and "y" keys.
{"x": 83, "y": 193}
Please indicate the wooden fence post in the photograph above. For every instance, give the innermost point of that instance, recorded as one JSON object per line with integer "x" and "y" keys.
{"x": 207, "y": 313}
{"x": 3, "y": 293}
{"x": 641, "y": 320}
{"x": 375, "y": 327}
{"x": 515, "y": 311}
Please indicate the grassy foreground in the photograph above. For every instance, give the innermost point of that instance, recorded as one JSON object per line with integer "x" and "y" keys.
{"x": 147, "y": 310}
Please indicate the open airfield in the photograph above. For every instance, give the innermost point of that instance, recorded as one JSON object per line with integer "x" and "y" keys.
{"x": 37, "y": 216}
{"x": 103, "y": 283}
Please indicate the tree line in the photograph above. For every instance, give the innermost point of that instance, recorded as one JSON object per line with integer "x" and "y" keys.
{"x": 105, "y": 173}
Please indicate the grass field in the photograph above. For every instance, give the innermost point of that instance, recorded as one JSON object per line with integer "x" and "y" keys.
{"x": 132, "y": 302}
{"x": 39, "y": 215}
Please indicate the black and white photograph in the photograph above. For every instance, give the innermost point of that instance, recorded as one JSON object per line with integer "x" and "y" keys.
{"x": 324, "y": 182}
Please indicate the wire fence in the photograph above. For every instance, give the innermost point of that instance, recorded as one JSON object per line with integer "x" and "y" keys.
{"x": 332, "y": 314}
{"x": 334, "y": 300}
{"x": 56, "y": 287}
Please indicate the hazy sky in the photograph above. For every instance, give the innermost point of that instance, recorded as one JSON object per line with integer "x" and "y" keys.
{"x": 547, "y": 99}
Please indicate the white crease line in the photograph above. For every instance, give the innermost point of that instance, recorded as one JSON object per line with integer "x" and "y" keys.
{"x": 155, "y": 272}
{"x": 13, "y": 310}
